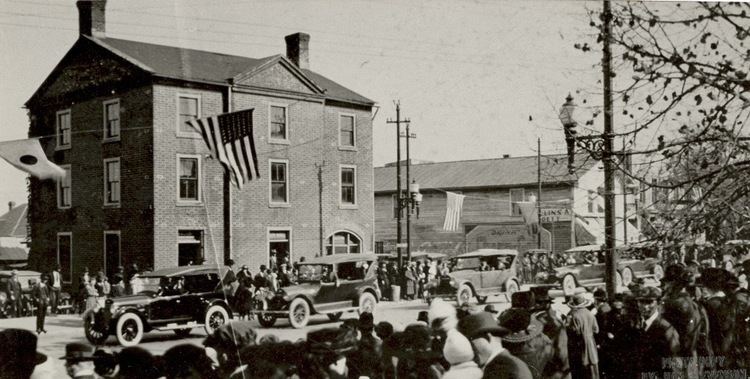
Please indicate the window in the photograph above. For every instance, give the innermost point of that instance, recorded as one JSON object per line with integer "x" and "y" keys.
{"x": 279, "y": 247}
{"x": 111, "y": 252}
{"x": 65, "y": 255}
{"x": 64, "y": 189}
{"x": 348, "y": 185}
{"x": 516, "y": 195}
{"x": 112, "y": 120}
{"x": 189, "y": 174}
{"x": 188, "y": 108}
{"x": 278, "y": 122}
{"x": 112, "y": 181}
{"x": 189, "y": 247}
{"x": 342, "y": 243}
{"x": 346, "y": 131}
{"x": 279, "y": 187}
{"x": 63, "y": 129}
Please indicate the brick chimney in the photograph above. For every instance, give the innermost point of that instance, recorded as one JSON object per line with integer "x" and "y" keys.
{"x": 298, "y": 49}
{"x": 11, "y": 205}
{"x": 91, "y": 17}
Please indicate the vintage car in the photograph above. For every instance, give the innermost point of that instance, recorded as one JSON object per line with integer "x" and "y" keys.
{"x": 585, "y": 266}
{"x": 24, "y": 277}
{"x": 327, "y": 285}
{"x": 479, "y": 274}
{"x": 162, "y": 306}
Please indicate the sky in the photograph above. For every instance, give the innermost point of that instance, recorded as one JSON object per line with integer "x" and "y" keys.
{"x": 477, "y": 79}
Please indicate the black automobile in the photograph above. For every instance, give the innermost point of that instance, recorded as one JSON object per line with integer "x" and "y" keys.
{"x": 179, "y": 299}
{"x": 327, "y": 285}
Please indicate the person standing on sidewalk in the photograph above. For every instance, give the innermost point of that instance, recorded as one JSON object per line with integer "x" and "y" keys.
{"x": 55, "y": 288}
{"x": 41, "y": 295}
{"x": 14, "y": 294}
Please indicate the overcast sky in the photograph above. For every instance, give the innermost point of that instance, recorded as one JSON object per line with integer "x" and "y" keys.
{"x": 469, "y": 74}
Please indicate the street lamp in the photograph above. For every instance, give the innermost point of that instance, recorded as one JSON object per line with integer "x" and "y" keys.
{"x": 599, "y": 147}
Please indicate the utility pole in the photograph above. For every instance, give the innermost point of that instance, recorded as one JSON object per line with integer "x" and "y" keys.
{"x": 609, "y": 184}
{"x": 408, "y": 136}
{"x": 398, "y": 121}
{"x": 624, "y": 188}
{"x": 539, "y": 194}
{"x": 320, "y": 205}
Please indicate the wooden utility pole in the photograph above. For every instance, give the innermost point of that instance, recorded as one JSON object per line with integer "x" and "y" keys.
{"x": 609, "y": 184}
{"x": 398, "y": 121}
{"x": 539, "y": 194}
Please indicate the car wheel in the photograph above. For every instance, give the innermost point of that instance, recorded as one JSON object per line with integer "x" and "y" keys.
{"x": 464, "y": 295}
{"x": 216, "y": 316}
{"x": 94, "y": 336}
{"x": 129, "y": 329}
{"x": 299, "y": 313}
{"x": 183, "y": 333}
{"x": 618, "y": 279}
{"x": 511, "y": 287}
{"x": 482, "y": 299}
{"x": 569, "y": 284}
{"x": 627, "y": 276}
{"x": 335, "y": 316}
{"x": 658, "y": 272}
{"x": 366, "y": 303}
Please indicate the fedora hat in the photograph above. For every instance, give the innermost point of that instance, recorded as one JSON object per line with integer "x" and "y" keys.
{"x": 522, "y": 299}
{"x": 77, "y": 351}
{"x": 541, "y": 295}
{"x": 648, "y": 293}
{"x": 366, "y": 321}
{"x": 479, "y": 323}
{"x": 579, "y": 301}
{"x": 713, "y": 278}
{"x": 331, "y": 341}
{"x": 19, "y": 344}
{"x": 518, "y": 321}
{"x": 490, "y": 308}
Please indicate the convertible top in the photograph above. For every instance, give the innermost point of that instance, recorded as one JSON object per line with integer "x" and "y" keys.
{"x": 488, "y": 253}
{"x": 341, "y": 258}
{"x": 187, "y": 271}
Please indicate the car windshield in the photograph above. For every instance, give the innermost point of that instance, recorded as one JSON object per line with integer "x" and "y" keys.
{"x": 470, "y": 263}
{"x": 311, "y": 272}
{"x": 151, "y": 284}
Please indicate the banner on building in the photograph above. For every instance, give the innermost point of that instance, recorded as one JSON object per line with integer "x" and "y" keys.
{"x": 27, "y": 155}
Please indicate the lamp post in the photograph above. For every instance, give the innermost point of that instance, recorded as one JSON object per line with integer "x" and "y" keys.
{"x": 599, "y": 146}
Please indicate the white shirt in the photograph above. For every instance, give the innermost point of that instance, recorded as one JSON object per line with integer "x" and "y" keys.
{"x": 651, "y": 319}
{"x": 55, "y": 279}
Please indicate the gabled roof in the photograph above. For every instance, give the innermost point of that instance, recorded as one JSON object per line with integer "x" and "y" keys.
{"x": 13, "y": 223}
{"x": 207, "y": 66}
{"x": 496, "y": 172}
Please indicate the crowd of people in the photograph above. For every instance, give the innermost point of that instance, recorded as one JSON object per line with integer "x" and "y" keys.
{"x": 697, "y": 324}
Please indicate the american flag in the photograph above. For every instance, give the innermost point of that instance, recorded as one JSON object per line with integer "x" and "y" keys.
{"x": 454, "y": 203}
{"x": 229, "y": 136}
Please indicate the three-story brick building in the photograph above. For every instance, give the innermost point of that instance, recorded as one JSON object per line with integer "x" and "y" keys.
{"x": 141, "y": 186}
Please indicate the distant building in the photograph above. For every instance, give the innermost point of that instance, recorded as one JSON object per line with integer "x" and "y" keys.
{"x": 14, "y": 249}
{"x": 572, "y": 207}
{"x": 142, "y": 187}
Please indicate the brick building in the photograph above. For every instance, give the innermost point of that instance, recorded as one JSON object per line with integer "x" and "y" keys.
{"x": 142, "y": 187}
{"x": 572, "y": 208}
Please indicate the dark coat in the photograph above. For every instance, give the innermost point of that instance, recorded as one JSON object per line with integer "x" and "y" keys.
{"x": 721, "y": 320}
{"x": 663, "y": 342}
{"x": 14, "y": 289}
{"x": 411, "y": 282}
{"x": 536, "y": 353}
{"x": 619, "y": 336}
{"x": 690, "y": 321}
{"x": 506, "y": 366}
{"x": 41, "y": 294}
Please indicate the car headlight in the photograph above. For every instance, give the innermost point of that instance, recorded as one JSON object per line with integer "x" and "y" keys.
{"x": 453, "y": 283}
{"x": 542, "y": 276}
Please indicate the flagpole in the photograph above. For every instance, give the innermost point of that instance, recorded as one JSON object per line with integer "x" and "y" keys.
{"x": 227, "y": 192}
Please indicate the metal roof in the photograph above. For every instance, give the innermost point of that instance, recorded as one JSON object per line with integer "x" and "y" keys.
{"x": 340, "y": 258}
{"x": 186, "y": 271}
{"x": 584, "y": 248}
{"x": 496, "y": 172}
{"x": 488, "y": 253}
{"x": 13, "y": 223}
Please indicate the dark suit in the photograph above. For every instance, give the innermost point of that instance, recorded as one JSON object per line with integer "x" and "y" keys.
{"x": 659, "y": 341}
{"x": 690, "y": 321}
{"x": 41, "y": 295}
{"x": 505, "y": 365}
{"x": 15, "y": 297}
{"x": 721, "y": 321}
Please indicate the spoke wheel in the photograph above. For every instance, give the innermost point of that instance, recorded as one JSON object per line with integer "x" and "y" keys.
{"x": 366, "y": 303}
{"x": 464, "y": 295}
{"x": 93, "y": 335}
{"x": 511, "y": 287}
{"x": 216, "y": 316}
{"x": 569, "y": 285}
{"x": 299, "y": 313}
{"x": 129, "y": 329}
{"x": 658, "y": 272}
{"x": 627, "y": 276}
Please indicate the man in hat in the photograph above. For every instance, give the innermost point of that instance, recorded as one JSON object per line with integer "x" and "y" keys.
{"x": 742, "y": 327}
{"x": 486, "y": 338}
{"x": 79, "y": 360}
{"x": 686, "y": 315}
{"x": 553, "y": 326}
{"x": 15, "y": 295}
{"x": 582, "y": 326}
{"x": 19, "y": 357}
{"x": 365, "y": 359}
{"x": 226, "y": 341}
{"x": 720, "y": 310}
{"x": 41, "y": 295}
{"x": 55, "y": 288}
{"x": 526, "y": 340}
{"x": 328, "y": 349}
{"x": 619, "y": 340}
{"x": 660, "y": 339}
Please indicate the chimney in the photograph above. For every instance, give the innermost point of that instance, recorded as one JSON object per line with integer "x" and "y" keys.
{"x": 91, "y": 17}
{"x": 506, "y": 156}
{"x": 297, "y": 49}
{"x": 11, "y": 205}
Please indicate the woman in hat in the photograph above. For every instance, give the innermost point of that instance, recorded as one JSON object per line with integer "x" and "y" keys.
{"x": 582, "y": 326}
{"x": 553, "y": 326}
{"x": 526, "y": 340}
{"x": 326, "y": 353}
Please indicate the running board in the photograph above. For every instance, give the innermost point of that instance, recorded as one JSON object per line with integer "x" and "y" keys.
{"x": 174, "y": 326}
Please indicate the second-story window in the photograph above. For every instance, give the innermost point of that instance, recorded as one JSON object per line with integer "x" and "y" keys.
{"x": 348, "y": 186}
{"x": 189, "y": 179}
{"x": 516, "y": 195}
{"x": 63, "y": 129}
{"x": 279, "y": 189}
{"x": 346, "y": 131}
{"x": 278, "y": 123}
{"x": 64, "y": 189}
{"x": 112, "y": 181}
{"x": 188, "y": 109}
{"x": 112, "y": 120}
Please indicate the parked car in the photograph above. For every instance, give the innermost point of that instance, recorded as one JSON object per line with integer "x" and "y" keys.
{"x": 585, "y": 267}
{"x": 479, "y": 274}
{"x": 23, "y": 277}
{"x": 327, "y": 285}
{"x": 162, "y": 306}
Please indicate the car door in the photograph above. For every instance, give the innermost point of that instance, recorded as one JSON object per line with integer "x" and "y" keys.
{"x": 491, "y": 278}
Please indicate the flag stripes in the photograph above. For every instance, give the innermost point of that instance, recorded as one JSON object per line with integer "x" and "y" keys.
{"x": 229, "y": 137}
{"x": 454, "y": 204}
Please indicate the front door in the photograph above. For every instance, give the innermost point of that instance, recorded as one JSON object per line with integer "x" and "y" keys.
{"x": 111, "y": 252}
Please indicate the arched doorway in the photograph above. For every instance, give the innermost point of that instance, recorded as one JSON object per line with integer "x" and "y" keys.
{"x": 343, "y": 242}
